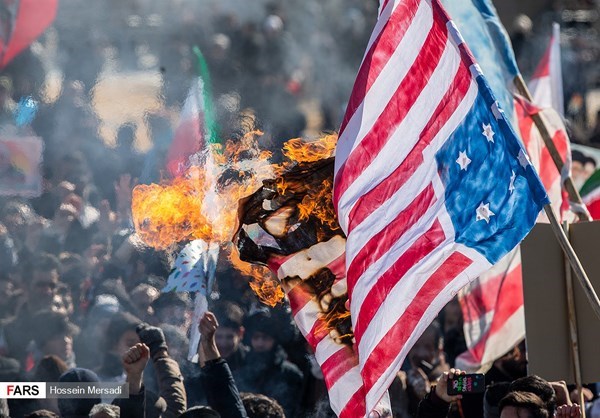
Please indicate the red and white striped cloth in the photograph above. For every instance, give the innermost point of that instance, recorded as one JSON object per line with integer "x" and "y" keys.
{"x": 412, "y": 91}
{"x": 492, "y": 305}
{"x": 339, "y": 362}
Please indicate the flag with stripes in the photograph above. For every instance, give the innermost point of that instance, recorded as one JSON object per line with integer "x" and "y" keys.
{"x": 308, "y": 257}
{"x": 492, "y": 305}
{"x": 432, "y": 186}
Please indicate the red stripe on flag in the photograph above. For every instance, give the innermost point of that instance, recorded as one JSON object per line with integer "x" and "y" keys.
{"x": 276, "y": 261}
{"x": 379, "y": 360}
{"x": 338, "y": 267}
{"x": 373, "y": 63}
{"x": 509, "y": 300}
{"x": 338, "y": 364}
{"x": 299, "y": 296}
{"x": 317, "y": 333}
{"x": 394, "y": 113}
{"x": 370, "y": 201}
{"x": 386, "y": 282}
{"x": 356, "y": 405}
{"x": 483, "y": 298}
{"x": 381, "y": 242}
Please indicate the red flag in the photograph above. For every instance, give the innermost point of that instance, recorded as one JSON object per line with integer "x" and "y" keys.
{"x": 21, "y": 22}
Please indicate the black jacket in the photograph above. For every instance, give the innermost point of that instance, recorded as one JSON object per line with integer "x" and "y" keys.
{"x": 221, "y": 391}
{"x": 270, "y": 374}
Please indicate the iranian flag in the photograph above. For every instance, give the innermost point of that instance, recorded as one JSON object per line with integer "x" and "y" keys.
{"x": 197, "y": 126}
{"x": 590, "y": 194}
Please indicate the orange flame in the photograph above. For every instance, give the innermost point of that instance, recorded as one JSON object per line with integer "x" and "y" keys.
{"x": 264, "y": 284}
{"x": 164, "y": 215}
{"x": 203, "y": 204}
{"x": 300, "y": 151}
{"x": 318, "y": 203}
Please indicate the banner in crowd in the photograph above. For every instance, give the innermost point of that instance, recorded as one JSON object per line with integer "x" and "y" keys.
{"x": 20, "y": 166}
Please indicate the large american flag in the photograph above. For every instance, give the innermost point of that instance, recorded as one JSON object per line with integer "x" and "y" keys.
{"x": 432, "y": 186}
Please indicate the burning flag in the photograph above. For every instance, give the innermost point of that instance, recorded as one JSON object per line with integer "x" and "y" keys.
{"x": 289, "y": 225}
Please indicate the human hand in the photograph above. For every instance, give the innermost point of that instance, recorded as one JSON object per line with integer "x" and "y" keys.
{"x": 562, "y": 393}
{"x": 587, "y": 395}
{"x": 107, "y": 223}
{"x": 135, "y": 359}
{"x": 418, "y": 381}
{"x": 153, "y": 337}
{"x": 441, "y": 389}
{"x": 208, "y": 325}
{"x": 568, "y": 411}
{"x": 207, "y": 350}
{"x": 123, "y": 193}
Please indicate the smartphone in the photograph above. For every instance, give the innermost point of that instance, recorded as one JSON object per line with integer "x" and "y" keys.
{"x": 466, "y": 383}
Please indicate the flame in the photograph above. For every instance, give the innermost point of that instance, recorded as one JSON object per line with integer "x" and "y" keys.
{"x": 203, "y": 203}
{"x": 167, "y": 214}
{"x": 318, "y": 203}
{"x": 264, "y": 284}
{"x": 300, "y": 151}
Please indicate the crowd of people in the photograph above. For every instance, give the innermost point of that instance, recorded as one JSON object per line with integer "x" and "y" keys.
{"x": 80, "y": 295}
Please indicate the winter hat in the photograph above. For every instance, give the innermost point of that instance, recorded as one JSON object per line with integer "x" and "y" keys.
{"x": 75, "y": 408}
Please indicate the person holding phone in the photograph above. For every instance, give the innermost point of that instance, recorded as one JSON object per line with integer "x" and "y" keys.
{"x": 436, "y": 403}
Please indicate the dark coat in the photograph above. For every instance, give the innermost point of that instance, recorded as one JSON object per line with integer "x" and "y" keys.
{"x": 221, "y": 391}
{"x": 270, "y": 374}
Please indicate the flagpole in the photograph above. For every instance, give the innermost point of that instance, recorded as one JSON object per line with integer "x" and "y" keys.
{"x": 573, "y": 337}
{"x": 540, "y": 123}
{"x": 580, "y": 273}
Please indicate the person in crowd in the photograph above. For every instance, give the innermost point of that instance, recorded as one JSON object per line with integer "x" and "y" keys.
{"x": 436, "y": 402}
{"x": 49, "y": 369}
{"x": 261, "y": 406}
{"x": 103, "y": 410}
{"x": 120, "y": 335}
{"x": 230, "y": 334}
{"x": 221, "y": 390}
{"x": 427, "y": 361}
{"x": 522, "y": 404}
{"x": 53, "y": 336}
{"x": 267, "y": 372}
{"x": 40, "y": 280}
{"x": 75, "y": 407}
{"x": 173, "y": 308}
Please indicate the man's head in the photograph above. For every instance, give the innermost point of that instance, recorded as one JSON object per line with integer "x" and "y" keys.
{"x": 103, "y": 410}
{"x": 173, "y": 308}
{"x": 41, "y": 280}
{"x": 522, "y": 405}
{"x": 53, "y": 334}
{"x": 538, "y": 386}
{"x": 262, "y": 331}
{"x": 514, "y": 363}
{"x": 77, "y": 407}
{"x": 428, "y": 351}
{"x": 231, "y": 331}
{"x": 120, "y": 334}
{"x": 261, "y": 406}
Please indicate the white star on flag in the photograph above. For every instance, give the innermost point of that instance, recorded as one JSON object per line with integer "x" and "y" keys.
{"x": 523, "y": 159}
{"x": 511, "y": 186}
{"x": 488, "y": 132}
{"x": 484, "y": 213}
{"x": 463, "y": 160}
